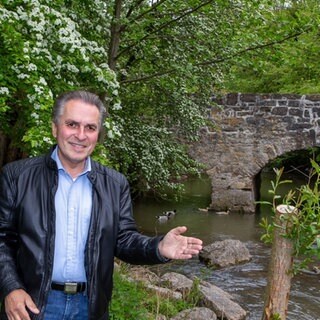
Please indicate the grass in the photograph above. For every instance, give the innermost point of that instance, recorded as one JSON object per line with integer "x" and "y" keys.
{"x": 132, "y": 301}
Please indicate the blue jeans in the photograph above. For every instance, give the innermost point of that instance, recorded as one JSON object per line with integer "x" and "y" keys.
{"x": 62, "y": 306}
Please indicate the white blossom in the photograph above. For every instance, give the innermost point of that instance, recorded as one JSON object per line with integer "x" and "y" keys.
{"x": 39, "y": 36}
{"x": 42, "y": 81}
{"x": 31, "y": 98}
{"x": 117, "y": 106}
{"x": 4, "y": 90}
{"x": 38, "y": 89}
{"x": 35, "y": 115}
{"x": 58, "y": 22}
{"x": 116, "y": 132}
{"x": 26, "y": 47}
{"x": 32, "y": 67}
{"x": 47, "y": 140}
{"x": 22, "y": 76}
{"x": 72, "y": 68}
{"x": 110, "y": 134}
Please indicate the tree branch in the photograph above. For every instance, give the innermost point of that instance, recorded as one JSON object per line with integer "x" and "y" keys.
{"x": 220, "y": 60}
{"x": 152, "y": 8}
{"x": 164, "y": 25}
{"x": 137, "y": 4}
{"x": 269, "y": 44}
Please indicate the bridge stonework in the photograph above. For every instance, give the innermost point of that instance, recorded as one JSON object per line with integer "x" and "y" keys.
{"x": 247, "y": 132}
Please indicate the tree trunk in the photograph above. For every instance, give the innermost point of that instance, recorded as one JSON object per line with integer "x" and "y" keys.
{"x": 280, "y": 269}
{"x": 115, "y": 35}
{"x": 3, "y": 148}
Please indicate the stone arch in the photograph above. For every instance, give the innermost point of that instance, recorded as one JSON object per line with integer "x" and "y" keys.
{"x": 247, "y": 132}
{"x": 304, "y": 175}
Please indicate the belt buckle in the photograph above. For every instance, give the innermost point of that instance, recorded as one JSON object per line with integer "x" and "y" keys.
{"x": 70, "y": 288}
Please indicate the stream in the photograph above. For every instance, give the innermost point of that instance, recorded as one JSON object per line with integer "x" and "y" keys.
{"x": 246, "y": 282}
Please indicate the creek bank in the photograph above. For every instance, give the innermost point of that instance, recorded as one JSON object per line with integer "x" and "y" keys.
{"x": 210, "y": 301}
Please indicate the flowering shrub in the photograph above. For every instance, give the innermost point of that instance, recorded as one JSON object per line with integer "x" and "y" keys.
{"x": 44, "y": 53}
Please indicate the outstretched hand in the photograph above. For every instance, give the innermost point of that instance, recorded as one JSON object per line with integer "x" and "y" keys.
{"x": 176, "y": 246}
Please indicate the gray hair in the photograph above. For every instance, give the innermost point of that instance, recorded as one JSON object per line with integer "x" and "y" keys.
{"x": 82, "y": 95}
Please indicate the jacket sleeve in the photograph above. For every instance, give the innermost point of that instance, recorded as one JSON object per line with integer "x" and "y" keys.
{"x": 132, "y": 246}
{"x": 9, "y": 240}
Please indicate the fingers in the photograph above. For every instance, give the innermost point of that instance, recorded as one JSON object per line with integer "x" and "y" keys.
{"x": 31, "y": 306}
{"x": 176, "y": 246}
{"x": 191, "y": 240}
{"x": 179, "y": 230}
{"x": 16, "y": 304}
{"x": 192, "y": 249}
{"x": 194, "y": 241}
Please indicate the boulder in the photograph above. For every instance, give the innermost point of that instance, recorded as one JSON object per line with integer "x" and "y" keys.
{"x": 199, "y": 313}
{"x": 177, "y": 282}
{"x": 152, "y": 281}
{"x": 210, "y": 296}
{"x": 164, "y": 292}
{"x": 145, "y": 275}
{"x": 220, "y": 302}
{"x": 224, "y": 253}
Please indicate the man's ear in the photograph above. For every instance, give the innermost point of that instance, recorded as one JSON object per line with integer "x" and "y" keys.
{"x": 54, "y": 129}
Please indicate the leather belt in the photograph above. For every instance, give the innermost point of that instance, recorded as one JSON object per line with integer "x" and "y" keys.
{"x": 69, "y": 287}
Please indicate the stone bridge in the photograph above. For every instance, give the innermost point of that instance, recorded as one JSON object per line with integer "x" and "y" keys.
{"x": 247, "y": 132}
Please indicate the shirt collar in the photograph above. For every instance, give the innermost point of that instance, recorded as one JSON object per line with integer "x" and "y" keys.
{"x": 55, "y": 157}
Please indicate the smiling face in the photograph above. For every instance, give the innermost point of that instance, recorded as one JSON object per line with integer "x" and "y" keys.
{"x": 77, "y": 134}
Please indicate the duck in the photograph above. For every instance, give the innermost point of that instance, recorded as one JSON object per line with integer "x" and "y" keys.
{"x": 170, "y": 213}
{"x": 203, "y": 209}
{"x": 162, "y": 218}
{"x": 166, "y": 215}
{"x": 222, "y": 212}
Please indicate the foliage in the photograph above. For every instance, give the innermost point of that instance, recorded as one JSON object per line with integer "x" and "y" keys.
{"x": 164, "y": 88}
{"x": 303, "y": 227}
{"x": 289, "y": 66}
{"x": 43, "y": 54}
{"x": 155, "y": 64}
{"x": 143, "y": 151}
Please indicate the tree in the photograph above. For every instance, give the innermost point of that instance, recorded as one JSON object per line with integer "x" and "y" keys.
{"x": 155, "y": 63}
{"x": 42, "y": 54}
{"x": 289, "y": 66}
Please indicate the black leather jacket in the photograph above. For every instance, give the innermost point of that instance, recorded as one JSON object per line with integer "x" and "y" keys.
{"x": 27, "y": 232}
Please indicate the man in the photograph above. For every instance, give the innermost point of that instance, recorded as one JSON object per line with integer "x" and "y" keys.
{"x": 63, "y": 219}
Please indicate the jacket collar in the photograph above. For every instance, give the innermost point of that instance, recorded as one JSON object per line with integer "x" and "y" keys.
{"x": 53, "y": 165}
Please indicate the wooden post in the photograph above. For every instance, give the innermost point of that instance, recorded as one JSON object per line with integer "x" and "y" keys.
{"x": 280, "y": 268}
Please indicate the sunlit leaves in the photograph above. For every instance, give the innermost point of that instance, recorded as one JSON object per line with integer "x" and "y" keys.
{"x": 287, "y": 51}
{"x": 303, "y": 226}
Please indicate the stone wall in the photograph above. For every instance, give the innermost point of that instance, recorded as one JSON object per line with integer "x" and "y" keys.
{"x": 247, "y": 132}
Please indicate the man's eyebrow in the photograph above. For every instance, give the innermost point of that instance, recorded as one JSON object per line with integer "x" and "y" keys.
{"x": 70, "y": 120}
{"x": 93, "y": 124}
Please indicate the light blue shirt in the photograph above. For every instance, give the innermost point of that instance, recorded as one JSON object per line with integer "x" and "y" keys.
{"x": 73, "y": 204}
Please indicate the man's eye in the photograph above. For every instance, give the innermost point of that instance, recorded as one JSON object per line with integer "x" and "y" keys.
{"x": 92, "y": 128}
{"x": 71, "y": 124}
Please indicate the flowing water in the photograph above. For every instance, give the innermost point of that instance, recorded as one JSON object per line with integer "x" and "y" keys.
{"x": 247, "y": 282}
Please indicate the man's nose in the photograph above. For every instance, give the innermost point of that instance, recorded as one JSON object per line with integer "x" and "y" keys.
{"x": 81, "y": 134}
